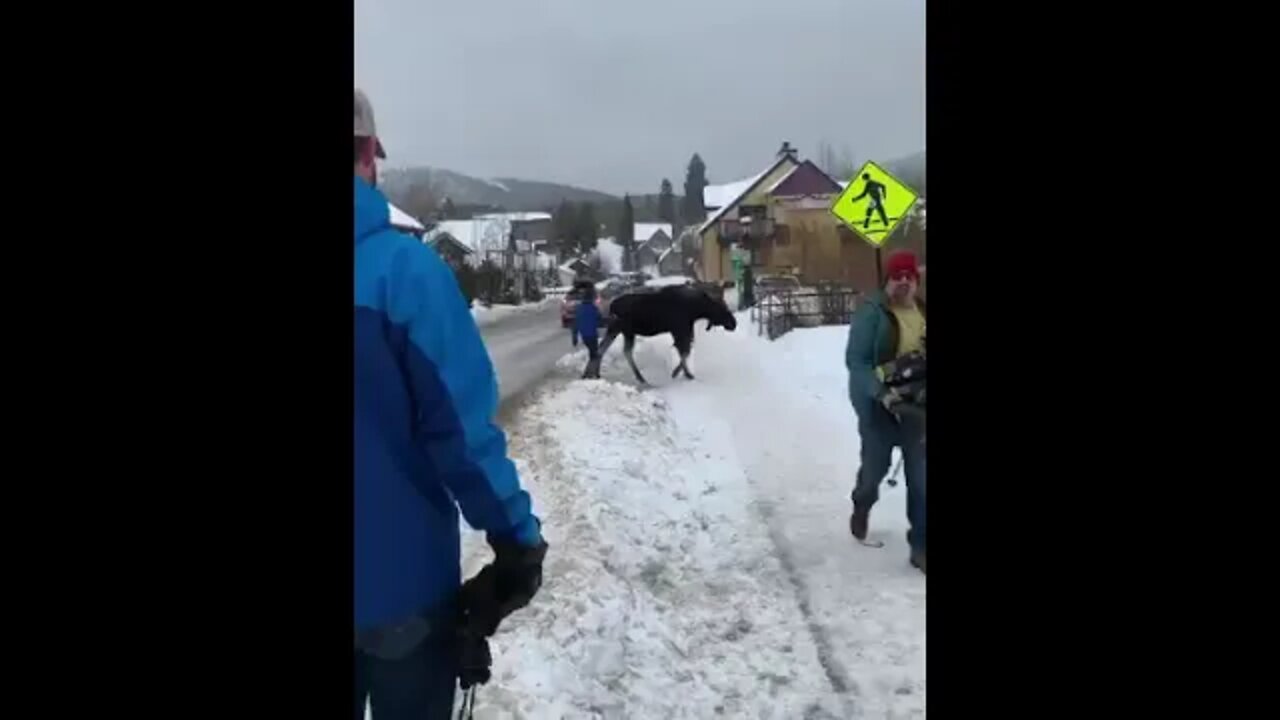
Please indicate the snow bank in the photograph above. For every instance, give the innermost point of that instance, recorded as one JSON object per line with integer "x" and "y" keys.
{"x": 489, "y": 315}
{"x": 663, "y": 595}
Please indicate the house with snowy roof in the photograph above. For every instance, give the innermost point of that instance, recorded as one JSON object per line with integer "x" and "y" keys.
{"x": 451, "y": 249}
{"x": 574, "y": 270}
{"x": 781, "y": 219}
{"x": 489, "y": 236}
{"x": 654, "y": 245}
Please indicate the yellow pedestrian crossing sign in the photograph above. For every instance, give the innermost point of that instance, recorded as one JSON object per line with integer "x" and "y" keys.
{"x": 874, "y": 203}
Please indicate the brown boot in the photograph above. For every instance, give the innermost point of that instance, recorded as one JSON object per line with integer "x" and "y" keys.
{"x": 859, "y": 521}
{"x": 917, "y": 561}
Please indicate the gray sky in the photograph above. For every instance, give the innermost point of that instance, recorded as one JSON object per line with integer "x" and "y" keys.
{"x": 615, "y": 95}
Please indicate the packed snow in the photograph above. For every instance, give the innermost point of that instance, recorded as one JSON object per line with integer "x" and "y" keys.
{"x": 701, "y": 563}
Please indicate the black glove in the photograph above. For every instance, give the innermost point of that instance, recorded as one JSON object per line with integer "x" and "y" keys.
{"x": 474, "y": 659}
{"x": 501, "y": 587}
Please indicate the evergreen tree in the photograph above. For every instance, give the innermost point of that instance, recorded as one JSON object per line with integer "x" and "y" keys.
{"x": 667, "y": 207}
{"x": 694, "y": 181}
{"x": 448, "y": 210}
{"x": 587, "y": 231}
{"x": 626, "y": 234}
{"x": 564, "y": 230}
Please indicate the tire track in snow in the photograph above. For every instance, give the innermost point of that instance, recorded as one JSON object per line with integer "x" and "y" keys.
{"x": 835, "y": 671}
{"x": 837, "y": 676}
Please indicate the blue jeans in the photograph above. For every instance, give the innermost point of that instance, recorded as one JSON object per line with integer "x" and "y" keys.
{"x": 419, "y": 686}
{"x": 880, "y": 433}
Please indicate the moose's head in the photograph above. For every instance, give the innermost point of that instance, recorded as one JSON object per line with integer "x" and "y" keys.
{"x": 717, "y": 313}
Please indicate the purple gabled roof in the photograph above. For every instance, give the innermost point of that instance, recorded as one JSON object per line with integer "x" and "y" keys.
{"x": 805, "y": 179}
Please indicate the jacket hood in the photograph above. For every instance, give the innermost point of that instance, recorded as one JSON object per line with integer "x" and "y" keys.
{"x": 373, "y": 214}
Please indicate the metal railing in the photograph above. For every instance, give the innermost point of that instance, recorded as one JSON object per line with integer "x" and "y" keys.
{"x": 779, "y": 311}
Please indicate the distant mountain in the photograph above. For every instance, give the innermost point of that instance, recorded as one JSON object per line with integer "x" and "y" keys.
{"x": 512, "y": 194}
{"x": 910, "y": 170}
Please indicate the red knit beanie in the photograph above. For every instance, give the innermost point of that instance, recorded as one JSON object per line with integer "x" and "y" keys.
{"x": 902, "y": 262}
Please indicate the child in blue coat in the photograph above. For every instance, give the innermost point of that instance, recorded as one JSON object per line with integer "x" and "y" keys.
{"x": 586, "y": 322}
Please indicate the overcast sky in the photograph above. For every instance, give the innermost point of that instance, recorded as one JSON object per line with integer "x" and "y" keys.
{"x": 614, "y": 95}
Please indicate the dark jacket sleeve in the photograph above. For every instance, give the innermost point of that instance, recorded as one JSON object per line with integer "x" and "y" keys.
{"x": 860, "y": 355}
{"x": 455, "y": 394}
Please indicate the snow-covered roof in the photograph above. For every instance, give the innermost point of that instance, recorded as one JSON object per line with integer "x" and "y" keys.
{"x": 743, "y": 187}
{"x": 516, "y": 216}
{"x": 402, "y": 219}
{"x": 439, "y": 236}
{"x": 644, "y": 231}
{"x": 717, "y": 196}
{"x": 479, "y": 233}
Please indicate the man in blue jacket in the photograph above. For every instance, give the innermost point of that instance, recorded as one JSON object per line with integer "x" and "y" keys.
{"x": 425, "y": 443}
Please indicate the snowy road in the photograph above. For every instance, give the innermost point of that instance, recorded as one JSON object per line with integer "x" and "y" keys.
{"x": 525, "y": 347}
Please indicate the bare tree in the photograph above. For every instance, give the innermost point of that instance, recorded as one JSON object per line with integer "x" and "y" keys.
{"x": 839, "y": 165}
{"x": 845, "y": 165}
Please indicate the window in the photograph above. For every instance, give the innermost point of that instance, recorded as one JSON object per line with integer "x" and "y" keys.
{"x": 782, "y": 235}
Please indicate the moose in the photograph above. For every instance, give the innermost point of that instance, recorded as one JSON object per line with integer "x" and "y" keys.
{"x": 672, "y": 309}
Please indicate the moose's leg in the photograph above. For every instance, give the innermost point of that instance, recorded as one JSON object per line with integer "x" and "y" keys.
{"x": 593, "y": 365}
{"x": 628, "y": 345}
{"x": 684, "y": 346}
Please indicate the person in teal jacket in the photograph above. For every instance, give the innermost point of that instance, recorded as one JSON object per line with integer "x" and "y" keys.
{"x": 887, "y": 325}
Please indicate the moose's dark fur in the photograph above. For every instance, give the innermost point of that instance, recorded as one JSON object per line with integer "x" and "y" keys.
{"x": 673, "y": 310}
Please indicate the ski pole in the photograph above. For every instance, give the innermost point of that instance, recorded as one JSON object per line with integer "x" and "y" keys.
{"x": 468, "y": 708}
{"x": 892, "y": 477}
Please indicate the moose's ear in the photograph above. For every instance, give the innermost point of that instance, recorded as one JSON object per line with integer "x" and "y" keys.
{"x": 710, "y": 325}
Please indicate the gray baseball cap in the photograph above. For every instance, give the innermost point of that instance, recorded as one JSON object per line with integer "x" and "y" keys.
{"x": 365, "y": 126}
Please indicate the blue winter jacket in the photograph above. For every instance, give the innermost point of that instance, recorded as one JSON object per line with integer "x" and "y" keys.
{"x": 425, "y": 396}
{"x": 586, "y": 319}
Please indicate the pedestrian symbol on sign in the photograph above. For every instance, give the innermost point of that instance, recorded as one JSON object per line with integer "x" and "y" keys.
{"x": 874, "y": 192}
